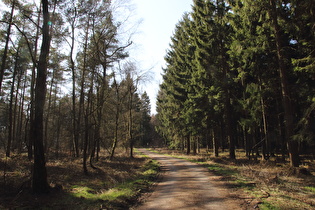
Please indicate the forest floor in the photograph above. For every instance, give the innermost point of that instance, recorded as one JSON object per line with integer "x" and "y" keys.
{"x": 115, "y": 184}
{"x": 124, "y": 182}
{"x": 259, "y": 184}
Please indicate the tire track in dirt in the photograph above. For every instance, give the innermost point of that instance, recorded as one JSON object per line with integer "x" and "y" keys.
{"x": 185, "y": 185}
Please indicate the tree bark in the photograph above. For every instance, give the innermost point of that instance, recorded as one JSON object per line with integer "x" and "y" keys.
{"x": 286, "y": 96}
{"x": 32, "y": 89}
{"x": 11, "y": 129}
{"x": 116, "y": 120}
{"x": 72, "y": 66}
{"x": 188, "y": 145}
{"x": 265, "y": 148}
{"x": 40, "y": 183}
{"x": 130, "y": 121}
{"x": 5, "y": 53}
{"x": 215, "y": 142}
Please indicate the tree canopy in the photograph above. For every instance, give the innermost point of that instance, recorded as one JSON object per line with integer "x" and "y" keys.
{"x": 240, "y": 74}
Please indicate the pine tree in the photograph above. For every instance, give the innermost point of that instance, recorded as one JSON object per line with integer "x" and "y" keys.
{"x": 212, "y": 39}
{"x": 145, "y": 128}
{"x": 174, "y": 104}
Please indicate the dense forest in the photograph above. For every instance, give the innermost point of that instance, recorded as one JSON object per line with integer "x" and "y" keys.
{"x": 67, "y": 85}
{"x": 239, "y": 74}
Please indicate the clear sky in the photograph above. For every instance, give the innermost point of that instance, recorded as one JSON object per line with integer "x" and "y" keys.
{"x": 159, "y": 18}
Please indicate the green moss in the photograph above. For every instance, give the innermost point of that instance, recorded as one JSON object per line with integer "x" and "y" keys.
{"x": 115, "y": 193}
{"x": 117, "y": 196}
{"x": 83, "y": 192}
{"x": 312, "y": 189}
{"x": 267, "y": 206}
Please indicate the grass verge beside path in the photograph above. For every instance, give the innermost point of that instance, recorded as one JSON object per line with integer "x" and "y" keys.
{"x": 115, "y": 184}
{"x": 260, "y": 184}
{"x": 124, "y": 195}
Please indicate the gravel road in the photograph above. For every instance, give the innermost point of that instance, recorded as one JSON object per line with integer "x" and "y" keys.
{"x": 186, "y": 185}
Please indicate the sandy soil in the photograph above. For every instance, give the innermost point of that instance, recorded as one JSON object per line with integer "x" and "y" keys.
{"x": 186, "y": 185}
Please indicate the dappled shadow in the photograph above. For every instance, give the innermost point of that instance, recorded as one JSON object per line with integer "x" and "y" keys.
{"x": 66, "y": 173}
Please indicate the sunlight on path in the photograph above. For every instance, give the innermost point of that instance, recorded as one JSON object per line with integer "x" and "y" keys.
{"x": 185, "y": 185}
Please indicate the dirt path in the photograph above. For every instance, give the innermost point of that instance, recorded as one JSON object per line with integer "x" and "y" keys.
{"x": 186, "y": 185}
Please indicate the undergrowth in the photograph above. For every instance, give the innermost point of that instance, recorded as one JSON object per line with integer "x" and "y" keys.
{"x": 121, "y": 196}
{"x": 114, "y": 184}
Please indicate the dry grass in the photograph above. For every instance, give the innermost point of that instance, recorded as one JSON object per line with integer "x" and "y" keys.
{"x": 70, "y": 187}
{"x": 264, "y": 184}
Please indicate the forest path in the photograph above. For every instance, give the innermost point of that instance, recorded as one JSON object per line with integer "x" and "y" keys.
{"x": 186, "y": 185}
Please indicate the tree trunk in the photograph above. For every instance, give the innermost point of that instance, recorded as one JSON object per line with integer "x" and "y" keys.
{"x": 16, "y": 115}
{"x": 230, "y": 137}
{"x": 286, "y": 96}
{"x": 265, "y": 129}
{"x": 85, "y": 144}
{"x": 75, "y": 134}
{"x": 6, "y": 46}
{"x": 194, "y": 142}
{"x": 11, "y": 113}
{"x": 21, "y": 117}
{"x": 32, "y": 92}
{"x": 215, "y": 142}
{"x": 116, "y": 128}
{"x": 86, "y": 133}
{"x": 82, "y": 84}
{"x": 130, "y": 122}
{"x": 188, "y": 145}
{"x": 40, "y": 183}
{"x": 48, "y": 114}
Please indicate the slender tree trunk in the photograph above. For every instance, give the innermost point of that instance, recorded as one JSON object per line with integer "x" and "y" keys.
{"x": 246, "y": 142}
{"x": 40, "y": 183}
{"x": 215, "y": 142}
{"x": 194, "y": 140}
{"x": 188, "y": 145}
{"x": 6, "y": 46}
{"x": 46, "y": 128}
{"x": 11, "y": 113}
{"x": 265, "y": 129}
{"x": 21, "y": 116}
{"x": 32, "y": 88}
{"x": 75, "y": 135}
{"x": 265, "y": 152}
{"x": 230, "y": 137}
{"x": 130, "y": 121}
{"x": 58, "y": 134}
{"x": 82, "y": 104}
{"x": 85, "y": 144}
{"x": 116, "y": 124}
{"x": 16, "y": 116}
{"x": 86, "y": 134}
{"x": 286, "y": 96}
{"x": 82, "y": 84}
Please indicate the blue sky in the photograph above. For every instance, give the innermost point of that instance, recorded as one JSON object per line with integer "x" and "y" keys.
{"x": 152, "y": 39}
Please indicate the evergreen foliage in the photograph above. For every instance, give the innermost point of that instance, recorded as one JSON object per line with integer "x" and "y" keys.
{"x": 240, "y": 74}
